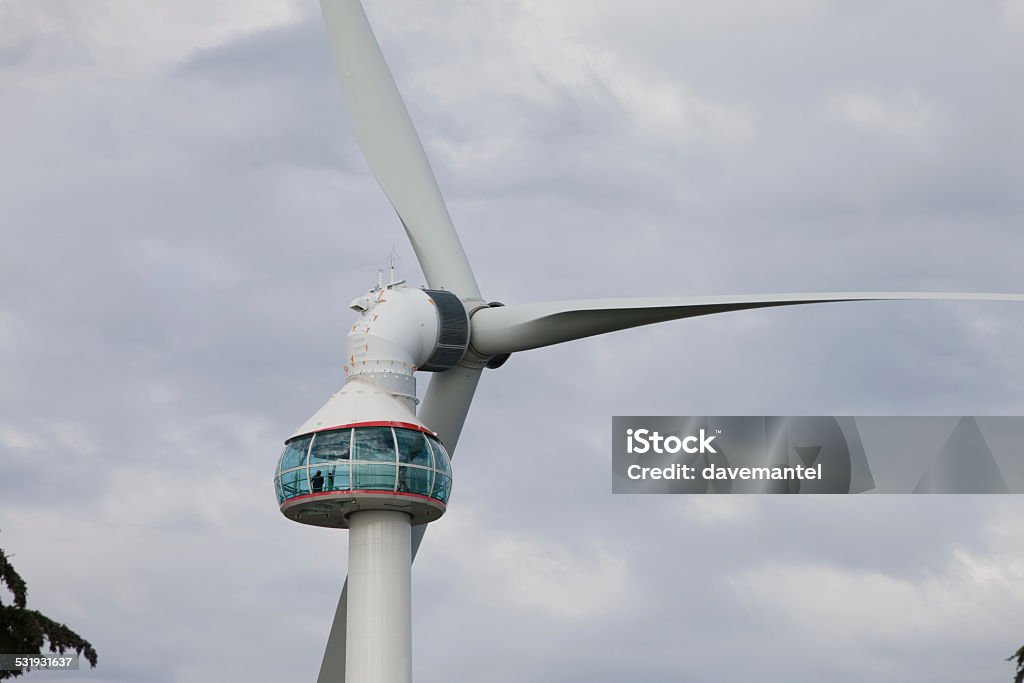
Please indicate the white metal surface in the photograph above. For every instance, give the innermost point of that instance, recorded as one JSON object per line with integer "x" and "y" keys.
{"x": 393, "y": 149}
{"x": 379, "y": 605}
{"x": 397, "y": 328}
{"x": 335, "y": 509}
{"x": 360, "y": 400}
{"x": 529, "y": 326}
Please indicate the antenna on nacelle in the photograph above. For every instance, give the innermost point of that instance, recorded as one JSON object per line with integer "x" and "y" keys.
{"x": 392, "y": 261}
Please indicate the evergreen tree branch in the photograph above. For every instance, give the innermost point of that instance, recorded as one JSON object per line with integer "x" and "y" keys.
{"x": 13, "y": 581}
{"x": 27, "y": 632}
{"x": 1019, "y": 656}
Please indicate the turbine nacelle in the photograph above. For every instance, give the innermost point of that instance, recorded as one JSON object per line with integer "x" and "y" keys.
{"x": 401, "y": 330}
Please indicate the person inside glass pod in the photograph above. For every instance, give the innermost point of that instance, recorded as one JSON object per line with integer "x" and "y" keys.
{"x": 360, "y": 464}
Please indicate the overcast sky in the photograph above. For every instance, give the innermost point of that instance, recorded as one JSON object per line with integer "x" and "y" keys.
{"x": 185, "y": 216}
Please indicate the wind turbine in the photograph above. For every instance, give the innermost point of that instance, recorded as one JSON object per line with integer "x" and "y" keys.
{"x": 366, "y": 461}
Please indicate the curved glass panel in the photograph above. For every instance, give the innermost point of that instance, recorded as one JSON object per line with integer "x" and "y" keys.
{"x": 441, "y": 462}
{"x": 336, "y": 477}
{"x": 330, "y": 446}
{"x": 294, "y": 483}
{"x": 295, "y": 453}
{"x": 412, "y": 447}
{"x": 375, "y": 444}
{"x": 364, "y": 458}
{"x": 373, "y": 477}
{"x": 415, "y": 480}
{"x": 442, "y": 488}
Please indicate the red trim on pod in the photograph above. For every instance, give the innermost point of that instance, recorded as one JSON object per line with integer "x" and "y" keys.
{"x": 377, "y": 423}
{"x": 343, "y": 493}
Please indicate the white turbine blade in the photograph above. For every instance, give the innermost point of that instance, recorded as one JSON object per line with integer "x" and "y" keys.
{"x": 508, "y": 329}
{"x": 445, "y": 407}
{"x": 332, "y": 668}
{"x": 447, "y": 402}
{"x": 393, "y": 149}
{"x": 444, "y": 410}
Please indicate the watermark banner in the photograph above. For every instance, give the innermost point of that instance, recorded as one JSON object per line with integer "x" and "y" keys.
{"x": 817, "y": 454}
{"x": 39, "y": 662}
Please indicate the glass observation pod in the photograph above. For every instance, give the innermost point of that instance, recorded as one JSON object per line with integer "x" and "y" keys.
{"x": 325, "y": 476}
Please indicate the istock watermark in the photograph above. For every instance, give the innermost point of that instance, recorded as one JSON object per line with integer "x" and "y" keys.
{"x": 644, "y": 440}
{"x": 817, "y": 454}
